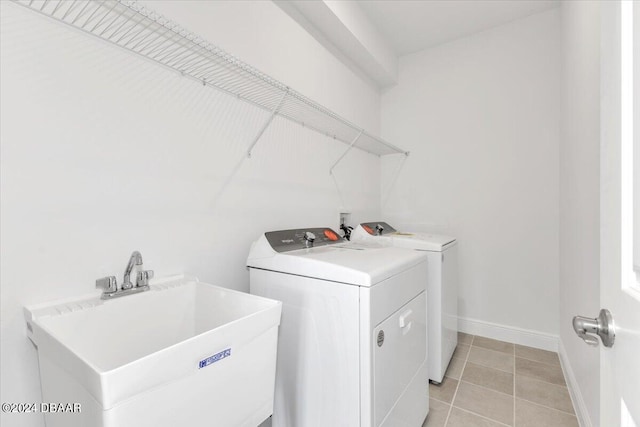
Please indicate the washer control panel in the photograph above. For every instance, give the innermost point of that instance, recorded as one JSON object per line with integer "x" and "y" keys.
{"x": 304, "y": 238}
{"x": 377, "y": 228}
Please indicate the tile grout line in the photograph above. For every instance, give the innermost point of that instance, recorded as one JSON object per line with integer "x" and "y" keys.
{"x": 488, "y": 388}
{"x": 453, "y": 399}
{"x": 537, "y": 361}
{"x": 541, "y": 380}
{"x": 497, "y": 351}
{"x": 514, "y": 357}
{"x": 482, "y": 416}
{"x": 548, "y": 407}
{"x": 514, "y": 385}
{"x": 474, "y": 362}
{"x": 441, "y": 401}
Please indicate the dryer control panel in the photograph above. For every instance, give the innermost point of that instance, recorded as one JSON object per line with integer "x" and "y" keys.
{"x": 303, "y": 238}
{"x": 377, "y": 228}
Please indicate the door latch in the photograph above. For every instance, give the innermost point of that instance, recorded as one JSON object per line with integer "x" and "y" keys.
{"x": 601, "y": 326}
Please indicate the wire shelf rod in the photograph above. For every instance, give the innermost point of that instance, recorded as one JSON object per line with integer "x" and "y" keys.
{"x": 133, "y": 25}
{"x": 86, "y": 5}
{"x": 115, "y": 32}
{"x": 106, "y": 13}
{"x": 133, "y": 35}
{"x": 56, "y": 9}
{"x": 346, "y": 151}
{"x": 142, "y": 39}
{"x": 266, "y": 125}
{"x": 190, "y": 60}
{"x": 168, "y": 52}
{"x": 91, "y": 16}
{"x": 115, "y": 19}
{"x": 69, "y": 9}
{"x": 175, "y": 55}
{"x": 156, "y": 52}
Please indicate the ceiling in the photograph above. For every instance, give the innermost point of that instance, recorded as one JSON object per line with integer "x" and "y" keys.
{"x": 369, "y": 36}
{"x": 411, "y": 26}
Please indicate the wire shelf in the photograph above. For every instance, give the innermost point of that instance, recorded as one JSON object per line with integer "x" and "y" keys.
{"x": 142, "y": 31}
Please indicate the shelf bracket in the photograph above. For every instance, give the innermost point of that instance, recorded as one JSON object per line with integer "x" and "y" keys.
{"x": 346, "y": 151}
{"x": 267, "y": 123}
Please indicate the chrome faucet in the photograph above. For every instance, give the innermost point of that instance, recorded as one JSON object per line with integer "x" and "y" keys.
{"x": 135, "y": 259}
{"x": 109, "y": 284}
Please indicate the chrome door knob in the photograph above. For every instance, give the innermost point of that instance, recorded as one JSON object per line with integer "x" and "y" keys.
{"x": 601, "y": 326}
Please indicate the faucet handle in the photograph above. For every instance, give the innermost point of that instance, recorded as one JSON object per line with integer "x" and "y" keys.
{"x": 143, "y": 278}
{"x": 107, "y": 284}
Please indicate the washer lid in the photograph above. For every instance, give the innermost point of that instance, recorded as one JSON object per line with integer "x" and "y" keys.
{"x": 402, "y": 239}
{"x": 358, "y": 263}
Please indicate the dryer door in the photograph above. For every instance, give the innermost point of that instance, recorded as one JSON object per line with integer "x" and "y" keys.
{"x": 399, "y": 353}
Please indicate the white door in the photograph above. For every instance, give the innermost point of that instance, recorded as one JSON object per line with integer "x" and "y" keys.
{"x": 619, "y": 280}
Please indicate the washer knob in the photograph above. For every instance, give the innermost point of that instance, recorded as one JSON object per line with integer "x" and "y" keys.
{"x": 309, "y": 237}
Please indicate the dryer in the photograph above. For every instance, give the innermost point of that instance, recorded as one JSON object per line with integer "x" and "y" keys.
{"x": 442, "y": 286}
{"x": 352, "y": 347}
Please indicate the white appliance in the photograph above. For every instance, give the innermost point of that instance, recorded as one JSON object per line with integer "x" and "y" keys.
{"x": 352, "y": 347}
{"x": 442, "y": 286}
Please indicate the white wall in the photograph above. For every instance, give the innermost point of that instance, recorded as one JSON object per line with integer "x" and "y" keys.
{"x": 103, "y": 153}
{"x": 480, "y": 116}
{"x": 580, "y": 195}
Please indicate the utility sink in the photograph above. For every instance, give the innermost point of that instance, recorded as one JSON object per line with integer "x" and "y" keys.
{"x": 183, "y": 353}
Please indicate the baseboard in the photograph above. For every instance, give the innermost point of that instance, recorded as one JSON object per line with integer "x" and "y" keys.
{"x": 511, "y": 334}
{"x": 574, "y": 391}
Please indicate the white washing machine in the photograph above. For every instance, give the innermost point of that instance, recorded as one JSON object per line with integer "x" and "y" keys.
{"x": 442, "y": 286}
{"x": 352, "y": 347}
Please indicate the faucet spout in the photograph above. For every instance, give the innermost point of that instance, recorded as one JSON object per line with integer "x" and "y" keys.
{"x": 135, "y": 259}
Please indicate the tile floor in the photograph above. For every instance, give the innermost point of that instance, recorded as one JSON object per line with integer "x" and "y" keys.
{"x": 493, "y": 383}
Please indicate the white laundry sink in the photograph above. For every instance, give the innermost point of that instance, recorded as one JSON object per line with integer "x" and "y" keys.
{"x": 183, "y": 353}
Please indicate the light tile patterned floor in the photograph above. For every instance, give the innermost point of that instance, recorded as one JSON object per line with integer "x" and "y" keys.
{"x": 493, "y": 383}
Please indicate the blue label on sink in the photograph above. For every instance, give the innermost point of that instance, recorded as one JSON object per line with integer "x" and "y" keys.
{"x": 215, "y": 358}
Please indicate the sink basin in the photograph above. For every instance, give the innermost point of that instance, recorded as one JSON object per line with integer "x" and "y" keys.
{"x": 184, "y": 353}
